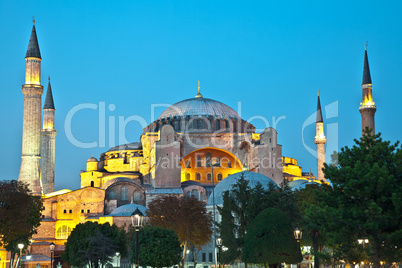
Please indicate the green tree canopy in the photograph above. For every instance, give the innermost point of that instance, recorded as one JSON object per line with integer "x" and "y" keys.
{"x": 269, "y": 239}
{"x": 242, "y": 204}
{"x": 20, "y": 214}
{"x": 158, "y": 247}
{"x": 364, "y": 202}
{"x": 91, "y": 243}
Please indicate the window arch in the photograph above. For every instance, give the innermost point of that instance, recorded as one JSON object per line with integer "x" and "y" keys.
{"x": 188, "y": 176}
{"x": 199, "y": 163}
{"x": 136, "y": 196}
{"x": 188, "y": 164}
{"x": 218, "y": 161}
{"x": 198, "y": 176}
{"x": 63, "y": 232}
{"x": 219, "y": 176}
{"x": 218, "y": 125}
{"x": 111, "y": 195}
{"x": 209, "y": 177}
{"x": 200, "y": 124}
{"x": 124, "y": 193}
{"x": 92, "y": 183}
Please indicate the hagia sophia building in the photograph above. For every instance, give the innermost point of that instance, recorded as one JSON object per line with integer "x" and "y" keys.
{"x": 196, "y": 145}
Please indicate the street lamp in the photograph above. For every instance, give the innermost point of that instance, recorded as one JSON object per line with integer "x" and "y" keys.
{"x": 20, "y": 246}
{"x": 298, "y": 236}
{"x": 137, "y": 219}
{"x": 29, "y": 259}
{"x": 209, "y": 164}
{"x": 219, "y": 244}
{"x": 52, "y": 245}
{"x": 224, "y": 249}
{"x": 117, "y": 256}
{"x": 363, "y": 241}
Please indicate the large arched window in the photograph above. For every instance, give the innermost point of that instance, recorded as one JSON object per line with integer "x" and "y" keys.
{"x": 188, "y": 176}
{"x": 198, "y": 176}
{"x": 124, "y": 193}
{"x": 219, "y": 176}
{"x": 63, "y": 232}
{"x": 111, "y": 195}
{"x": 199, "y": 163}
{"x": 136, "y": 196}
{"x": 218, "y": 161}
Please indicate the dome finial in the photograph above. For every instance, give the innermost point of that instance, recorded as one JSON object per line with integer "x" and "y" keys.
{"x": 199, "y": 95}
{"x": 365, "y": 45}
{"x": 33, "y": 20}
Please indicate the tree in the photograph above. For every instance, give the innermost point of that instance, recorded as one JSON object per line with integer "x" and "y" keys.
{"x": 91, "y": 243}
{"x": 158, "y": 247}
{"x": 269, "y": 239}
{"x": 187, "y": 216}
{"x": 242, "y": 204}
{"x": 365, "y": 200}
{"x": 20, "y": 215}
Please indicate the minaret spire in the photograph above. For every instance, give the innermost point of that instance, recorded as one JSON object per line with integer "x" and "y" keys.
{"x": 31, "y": 129}
{"x": 48, "y": 134}
{"x": 367, "y": 107}
{"x": 320, "y": 140}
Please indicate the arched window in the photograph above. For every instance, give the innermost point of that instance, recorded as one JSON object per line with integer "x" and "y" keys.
{"x": 124, "y": 193}
{"x": 209, "y": 177}
{"x": 92, "y": 184}
{"x": 63, "y": 232}
{"x": 188, "y": 164}
{"x": 194, "y": 193}
{"x": 219, "y": 176}
{"x": 218, "y": 125}
{"x": 199, "y": 124}
{"x": 188, "y": 176}
{"x": 111, "y": 195}
{"x": 198, "y": 176}
{"x": 136, "y": 196}
{"x": 199, "y": 163}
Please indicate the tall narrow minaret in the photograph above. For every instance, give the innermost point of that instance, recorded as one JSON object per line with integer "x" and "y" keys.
{"x": 367, "y": 107}
{"x": 32, "y": 90}
{"x": 48, "y": 143}
{"x": 320, "y": 140}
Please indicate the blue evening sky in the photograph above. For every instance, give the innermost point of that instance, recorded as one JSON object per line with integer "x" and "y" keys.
{"x": 269, "y": 56}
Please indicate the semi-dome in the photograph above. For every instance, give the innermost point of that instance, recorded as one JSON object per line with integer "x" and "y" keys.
{"x": 127, "y": 210}
{"x": 226, "y": 184}
{"x": 199, "y": 106}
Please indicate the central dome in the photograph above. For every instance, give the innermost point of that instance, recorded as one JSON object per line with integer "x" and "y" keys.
{"x": 199, "y": 106}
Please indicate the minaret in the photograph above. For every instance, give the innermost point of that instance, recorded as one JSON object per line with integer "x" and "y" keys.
{"x": 367, "y": 107}
{"x": 48, "y": 143}
{"x": 32, "y": 90}
{"x": 320, "y": 140}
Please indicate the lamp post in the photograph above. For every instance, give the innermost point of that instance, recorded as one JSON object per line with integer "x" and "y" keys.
{"x": 137, "y": 220}
{"x": 224, "y": 249}
{"x": 52, "y": 246}
{"x": 363, "y": 241}
{"x": 298, "y": 236}
{"x": 117, "y": 256}
{"x": 219, "y": 244}
{"x": 20, "y": 246}
{"x": 209, "y": 164}
{"x": 29, "y": 259}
